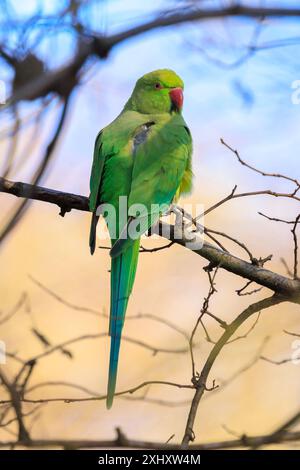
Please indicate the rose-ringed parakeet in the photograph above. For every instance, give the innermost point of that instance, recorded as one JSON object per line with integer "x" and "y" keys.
{"x": 145, "y": 155}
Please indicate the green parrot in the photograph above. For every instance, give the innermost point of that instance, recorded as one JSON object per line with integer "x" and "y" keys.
{"x": 145, "y": 156}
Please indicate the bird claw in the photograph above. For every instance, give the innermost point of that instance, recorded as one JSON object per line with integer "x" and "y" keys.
{"x": 183, "y": 229}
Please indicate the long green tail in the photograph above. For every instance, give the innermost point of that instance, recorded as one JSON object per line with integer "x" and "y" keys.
{"x": 123, "y": 269}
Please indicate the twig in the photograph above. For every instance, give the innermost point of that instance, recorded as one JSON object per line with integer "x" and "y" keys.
{"x": 154, "y": 250}
{"x": 263, "y": 173}
{"x": 291, "y": 333}
{"x": 138, "y": 316}
{"x": 19, "y": 212}
{"x": 204, "y": 309}
{"x": 91, "y": 393}
{"x": 295, "y": 224}
{"x": 23, "y": 434}
{"x": 15, "y": 309}
{"x": 226, "y": 260}
{"x": 101, "y": 397}
{"x": 295, "y": 246}
{"x": 243, "y": 442}
{"x": 230, "y": 330}
{"x": 63, "y": 301}
{"x": 241, "y": 292}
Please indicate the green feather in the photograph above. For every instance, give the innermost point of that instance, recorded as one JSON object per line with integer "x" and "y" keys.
{"x": 144, "y": 154}
{"x": 123, "y": 269}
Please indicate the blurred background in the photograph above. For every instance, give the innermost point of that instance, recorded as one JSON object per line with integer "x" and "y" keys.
{"x": 239, "y": 75}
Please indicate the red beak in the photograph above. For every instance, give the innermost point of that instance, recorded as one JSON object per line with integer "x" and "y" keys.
{"x": 176, "y": 95}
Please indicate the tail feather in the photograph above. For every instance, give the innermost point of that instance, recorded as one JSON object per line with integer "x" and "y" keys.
{"x": 123, "y": 269}
{"x": 139, "y": 226}
{"x": 93, "y": 228}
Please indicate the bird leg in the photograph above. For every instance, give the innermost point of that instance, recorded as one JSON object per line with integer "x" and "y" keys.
{"x": 180, "y": 224}
{"x": 183, "y": 228}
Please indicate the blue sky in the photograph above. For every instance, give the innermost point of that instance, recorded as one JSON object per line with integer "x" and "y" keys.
{"x": 249, "y": 105}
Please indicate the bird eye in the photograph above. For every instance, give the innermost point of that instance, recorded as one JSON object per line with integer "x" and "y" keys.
{"x": 157, "y": 86}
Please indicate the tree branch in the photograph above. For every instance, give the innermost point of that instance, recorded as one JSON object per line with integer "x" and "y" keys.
{"x": 244, "y": 441}
{"x": 252, "y": 272}
{"x": 23, "y": 434}
{"x": 19, "y": 212}
{"x": 94, "y": 44}
{"x": 203, "y": 376}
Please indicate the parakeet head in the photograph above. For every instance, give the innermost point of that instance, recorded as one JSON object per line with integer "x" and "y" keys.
{"x": 160, "y": 91}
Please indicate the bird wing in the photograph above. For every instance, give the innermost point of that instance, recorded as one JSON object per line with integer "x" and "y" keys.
{"x": 161, "y": 162}
{"x": 95, "y": 185}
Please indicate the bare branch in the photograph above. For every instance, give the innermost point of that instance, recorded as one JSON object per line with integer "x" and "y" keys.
{"x": 101, "y": 397}
{"x": 15, "y": 309}
{"x": 241, "y": 292}
{"x": 203, "y": 311}
{"x": 266, "y": 192}
{"x": 227, "y": 261}
{"x": 295, "y": 246}
{"x": 229, "y": 331}
{"x": 138, "y": 316}
{"x": 263, "y": 173}
{"x": 18, "y": 213}
{"x": 63, "y": 301}
{"x": 23, "y": 434}
{"x": 292, "y": 334}
{"x": 244, "y": 441}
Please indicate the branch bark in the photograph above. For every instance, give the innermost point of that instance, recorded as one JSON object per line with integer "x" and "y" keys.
{"x": 202, "y": 380}
{"x": 19, "y": 212}
{"x": 68, "y": 201}
{"x": 202, "y": 14}
{"x": 123, "y": 443}
{"x": 23, "y": 434}
{"x": 57, "y": 80}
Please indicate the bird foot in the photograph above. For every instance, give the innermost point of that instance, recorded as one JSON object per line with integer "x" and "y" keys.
{"x": 180, "y": 225}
